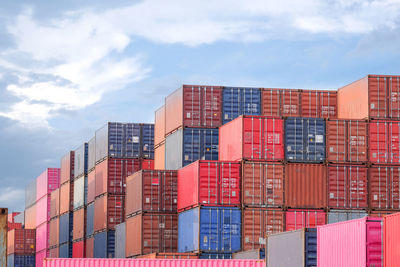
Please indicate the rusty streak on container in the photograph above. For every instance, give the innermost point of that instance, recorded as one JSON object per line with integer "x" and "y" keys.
{"x": 67, "y": 167}
{"x": 54, "y": 232}
{"x": 153, "y": 232}
{"x": 91, "y": 186}
{"x": 305, "y": 185}
{"x": 108, "y": 212}
{"x": 66, "y": 197}
{"x": 159, "y": 157}
{"x": 384, "y": 187}
{"x": 170, "y": 255}
{"x": 55, "y": 203}
{"x": 79, "y": 224}
{"x": 159, "y": 125}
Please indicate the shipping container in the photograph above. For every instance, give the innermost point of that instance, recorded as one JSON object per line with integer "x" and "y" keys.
{"x": 66, "y": 228}
{"x": 108, "y": 212}
{"x": 147, "y": 142}
{"x": 263, "y": 184}
{"x": 384, "y": 142}
{"x": 346, "y": 141}
{"x": 216, "y": 256}
{"x": 54, "y": 232}
{"x": 384, "y": 187}
{"x": 42, "y": 237}
{"x": 169, "y": 255}
{"x": 252, "y": 138}
{"x": 259, "y": 223}
{"x": 151, "y": 262}
{"x": 79, "y": 224}
{"x": 318, "y": 103}
{"x": 193, "y": 106}
{"x": 250, "y": 254}
{"x": 30, "y": 217}
{"x": 210, "y": 229}
{"x": 104, "y": 244}
{"x": 120, "y": 240}
{"x": 65, "y": 250}
{"x": 301, "y": 218}
{"x": 305, "y": 140}
{"x": 21, "y": 242}
{"x": 240, "y": 101}
{"x": 90, "y": 220}
{"x": 391, "y": 236}
{"x": 91, "y": 191}
{"x": 151, "y": 191}
{"x": 91, "y": 153}
{"x": 380, "y": 213}
{"x": 190, "y": 144}
{"x": 67, "y": 197}
{"x": 47, "y": 182}
{"x": 20, "y": 218}
{"x": 30, "y": 194}
{"x": 281, "y": 102}
{"x": 154, "y": 232}
{"x": 80, "y": 192}
{"x": 111, "y": 175}
{"x": 11, "y": 216}
{"x": 43, "y": 210}
{"x": 305, "y": 185}
{"x": 351, "y": 243}
{"x": 20, "y": 260}
{"x": 372, "y": 97}
{"x": 40, "y": 256}
{"x": 78, "y": 249}
{"x": 159, "y": 125}
{"x": 55, "y": 203}
{"x": 67, "y": 167}
{"x": 159, "y": 157}
{"x": 54, "y": 252}
{"x": 211, "y": 183}
{"x": 81, "y": 161}
{"x": 147, "y": 164}
{"x": 347, "y": 187}
{"x": 301, "y": 244}
{"x": 334, "y": 216}
{"x": 11, "y": 226}
{"x": 89, "y": 247}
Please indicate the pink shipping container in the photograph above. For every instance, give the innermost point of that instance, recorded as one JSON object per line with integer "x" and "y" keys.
{"x": 299, "y": 219}
{"x": 350, "y": 243}
{"x": 42, "y": 237}
{"x": 43, "y": 210}
{"x": 47, "y": 182}
{"x": 391, "y": 237}
{"x": 40, "y": 256}
{"x": 253, "y": 138}
{"x": 152, "y": 262}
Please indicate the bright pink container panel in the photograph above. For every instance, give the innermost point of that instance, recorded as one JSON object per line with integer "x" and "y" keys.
{"x": 299, "y": 219}
{"x": 351, "y": 243}
{"x": 40, "y": 256}
{"x": 42, "y": 237}
{"x": 151, "y": 262}
{"x": 43, "y": 210}
{"x": 47, "y": 182}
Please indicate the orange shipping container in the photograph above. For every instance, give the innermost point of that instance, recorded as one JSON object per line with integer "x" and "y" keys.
{"x": 54, "y": 232}
{"x": 108, "y": 212}
{"x": 53, "y": 252}
{"x": 30, "y": 217}
{"x": 79, "y": 224}
{"x": 384, "y": 187}
{"x": 281, "y": 102}
{"x": 55, "y": 203}
{"x": 89, "y": 244}
{"x": 159, "y": 125}
{"x": 170, "y": 255}
{"x": 91, "y": 191}
{"x": 159, "y": 157}
{"x": 318, "y": 104}
{"x": 66, "y": 197}
{"x": 305, "y": 185}
{"x": 67, "y": 167}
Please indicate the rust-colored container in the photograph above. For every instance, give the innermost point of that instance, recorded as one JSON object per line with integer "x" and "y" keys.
{"x": 66, "y": 197}
{"x": 347, "y": 187}
{"x": 147, "y": 164}
{"x": 384, "y": 142}
{"x": 79, "y": 224}
{"x": 54, "y": 232}
{"x": 89, "y": 247}
{"x": 281, "y": 102}
{"x": 263, "y": 184}
{"x": 54, "y": 252}
{"x": 193, "y": 106}
{"x": 153, "y": 232}
{"x": 159, "y": 157}
{"x": 91, "y": 191}
{"x": 67, "y": 167}
{"x": 305, "y": 185}
{"x": 151, "y": 191}
{"x": 346, "y": 141}
{"x": 300, "y": 218}
{"x": 258, "y": 223}
{"x": 21, "y": 241}
{"x": 170, "y": 255}
{"x": 159, "y": 125}
{"x": 374, "y": 97}
{"x": 111, "y": 175}
{"x": 30, "y": 217}
{"x": 318, "y": 104}
{"x": 108, "y": 212}
{"x": 384, "y": 187}
{"x": 55, "y": 203}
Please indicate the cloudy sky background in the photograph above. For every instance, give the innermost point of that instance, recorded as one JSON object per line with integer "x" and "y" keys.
{"x": 67, "y": 67}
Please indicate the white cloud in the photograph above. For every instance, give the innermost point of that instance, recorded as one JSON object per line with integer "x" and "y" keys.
{"x": 10, "y": 196}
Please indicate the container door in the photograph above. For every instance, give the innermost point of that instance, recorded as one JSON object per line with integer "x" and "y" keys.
{"x": 315, "y": 136}
{"x": 394, "y": 94}
{"x": 374, "y": 243}
{"x": 310, "y": 103}
{"x": 208, "y": 183}
{"x": 192, "y": 106}
{"x": 230, "y": 104}
{"x": 378, "y": 142}
{"x": 211, "y": 109}
{"x": 208, "y": 144}
{"x": 311, "y": 247}
{"x": 147, "y": 141}
{"x": 251, "y": 101}
{"x": 290, "y": 103}
{"x": 358, "y": 187}
{"x": 132, "y": 143}
{"x": 274, "y": 188}
{"x": 116, "y": 142}
{"x": 252, "y": 138}
{"x": 379, "y": 182}
{"x": 191, "y": 146}
{"x": 209, "y": 229}
{"x": 229, "y": 177}
{"x": 378, "y": 97}
{"x": 253, "y": 184}
{"x": 189, "y": 225}
{"x": 294, "y": 134}
{"x": 230, "y": 229}
{"x": 357, "y": 141}
{"x": 253, "y": 234}
{"x": 328, "y": 104}
{"x": 273, "y": 139}
{"x": 271, "y": 102}
{"x": 394, "y": 142}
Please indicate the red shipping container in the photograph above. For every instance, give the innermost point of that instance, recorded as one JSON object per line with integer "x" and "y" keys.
{"x": 79, "y": 228}
{"x": 384, "y": 142}
{"x": 159, "y": 125}
{"x": 108, "y": 212}
{"x": 257, "y": 223}
{"x": 54, "y": 232}
{"x": 210, "y": 183}
{"x": 11, "y": 226}
{"x": 318, "y": 104}
{"x": 89, "y": 247}
{"x": 78, "y": 249}
{"x": 43, "y": 210}
{"x": 281, "y": 102}
{"x": 159, "y": 157}
{"x": 11, "y": 216}
{"x": 193, "y": 106}
{"x": 30, "y": 217}
{"x": 381, "y": 213}
{"x": 151, "y": 191}
{"x": 66, "y": 197}
{"x": 21, "y": 241}
{"x": 346, "y": 141}
{"x": 305, "y": 185}
{"x": 91, "y": 192}
{"x": 67, "y": 167}
{"x": 55, "y": 203}
{"x": 347, "y": 187}
{"x": 42, "y": 237}
{"x": 54, "y": 252}
{"x": 111, "y": 175}
{"x": 252, "y": 137}
{"x": 154, "y": 232}
{"x": 147, "y": 164}
{"x": 47, "y": 182}
{"x": 299, "y": 219}
{"x": 262, "y": 184}
{"x": 384, "y": 187}
{"x": 391, "y": 237}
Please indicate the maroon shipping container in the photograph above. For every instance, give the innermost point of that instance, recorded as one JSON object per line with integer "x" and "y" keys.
{"x": 151, "y": 191}
{"x": 211, "y": 183}
{"x": 257, "y": 223}
{"x": 91, "y": 191}
{"x": 55, "y": 203}
{"x": 263, "y": 184}
{"x": 305, "y": 185}
{"x": 346, "y": 141}
{"x": 253, "y": 138}
{"x": 89, "y": 247}
{"x": 299, "y": 219}
{"x": 21, "y": 242}
{"x": 154, "y": 232}
{"x": 79, "y": 228}
{"x": 54, "y": 252}
{"x": 54, "y": 232}
{"x": 384, "y": 142}
{"x": 67, "y": 167}
{"x": 159, "y": 125}
{"x": 384, "y": 187}
{"x": 78, "y": 249}
{"x": 318, "y": 104}
{"x": 108, "y": 212}
{"x": 111, "y": 175}
{"x": 281, "y": 102}
{"x": 193, "y": 106}
{"x": 347, "y": 187}
{"x": 66, "y": 197}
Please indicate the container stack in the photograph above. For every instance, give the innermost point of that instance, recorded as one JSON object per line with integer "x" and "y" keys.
{"x": 21, "y": 248}
{"x": 54, "y": 224}
{"x": 30, "y": 205}
{"x": 12, "y": 223}
{"x": 91, "y": 187}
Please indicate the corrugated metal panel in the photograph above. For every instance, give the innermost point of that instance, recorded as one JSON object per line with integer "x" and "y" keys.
{"x": 80, "y": 187}
{"x": 79, "y": 224}
{"x": 20, "y": 218}
{"x": 305, "y": 140}
{"x": 30, "y": 194}
{"x": 334, "y": 216}
{"x": 249, "y": 254}
{"x": 21, "y": 241}
{"x": 67, "y": 167}
{"x": 66, "y": 227}
{"x": 42, "y": 237}
{"x": 318, "y": 104}
{"x": 240, "y": 101}
{"x": 89, "y": 247}
{"x": 30, "y": 217}
{"x": 120, "y": 240}
{"x": 147, "y": 142}
{"x": 159, "y": 125}
{"x": 43, "y": 210}
{"x": 21, "y": 260}
{"x": 91, "y": 153}
{"x": 169, "y": 255}
{"x": 55, "y": 203}
{"x": 108, "y": 212}
{"x": 81, "y": 161}
{"x": 300, "y": 218}
{"x": 66, "y": 197}
{"x": 90, "y": 219}
{"x": 91, "y": 191}
{"x": 216, "y": 256}
{"x": 384, "y": 144}
{"x": 159, "y": 157}
{"x": 47, "y": 182}
{"x": 65, "y": 250}
{"x": 78, "y": 249}
{"x": 281, "y": 102}
{"x": 391, "y": 240}
{"x": 40, "y": 256}
{"x": 384, "y": 187}
{"x": 54, "y": 232}
{"x": 104, "y": 245}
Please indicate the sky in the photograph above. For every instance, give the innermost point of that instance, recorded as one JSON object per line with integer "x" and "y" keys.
{"x": 68, "y": 67}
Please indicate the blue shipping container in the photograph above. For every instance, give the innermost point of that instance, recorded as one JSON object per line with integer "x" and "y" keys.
{"x": 190, "y": 144}
{"x": 209, "y": 229}
{"x": 65, "y": 250}
{"x": 147, "y": 141}
{"x": 305, "y": 140}
{"x": 311, "y": 247}
{"x": 240, "y": 101}
{"x": 104, "y": 244}
{"x": 81, "y": 161}
{"x": 66, "y": 224}
{"x": 217, "y": 256}
{"x": 89, "y": 220}
{"x": 20, "y": 260}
